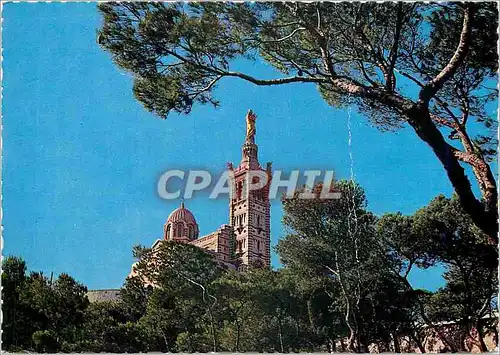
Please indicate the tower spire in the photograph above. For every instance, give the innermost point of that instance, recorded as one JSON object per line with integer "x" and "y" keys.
{"x": 251, "y": 117}
{"x": 249, "y": 148}
{"x": 249, "y": 211}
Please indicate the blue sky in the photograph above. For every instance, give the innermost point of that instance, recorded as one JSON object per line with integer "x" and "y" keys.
{"x": 81, "y": 157}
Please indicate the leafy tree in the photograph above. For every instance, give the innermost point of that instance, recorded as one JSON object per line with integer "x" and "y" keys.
{"x": 443, "y": 233}
{"x": 345, "y": 277}
{"x": 471, "y": 275}
{"x": 311, "y": 322}
{"x": 45, "y": 341}
{"x": 237, "y": 306}
{"x": 333, "y": 238}
{"x": 261, "y": 311}
{"x": 70, "y": 304}
{"x": 39, "y": 301}
{"x": 99, "y": 330}
{"x": 14, "y": 314}
{"x": 187, "y": 342}
{"x": 134, "y": 297}
{"x": 184, "y": 275}
{"x": 108, "y": 328}
{"x": 57, "y": 306}
{"x": 161, "y": 323}
{"x": 40, "y": 313}
{"x": 429, "y": 66}
{"x": 315, "y": 323}
{"x": 405, "y": 248}
{"x": 276, "y": 305}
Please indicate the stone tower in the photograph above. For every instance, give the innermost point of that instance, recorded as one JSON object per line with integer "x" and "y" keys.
{"x": 249, "y": 211}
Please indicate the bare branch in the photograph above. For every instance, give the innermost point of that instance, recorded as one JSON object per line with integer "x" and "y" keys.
{"x": 375, "y": 53}
{"x": 208, "y": 87}
{"x": 205, "y": 292}
{"x": 441, "y": 103}
{"x": 319, "y": 16}
{"x": 286, "y": 37}
{"x": 331, "y": 270}
{"x": 280, "y": 25}
{"x": 465, "y": 104}
{"x": 270, "y": 82}
{"x": 431, "y": 88}
{"x": 443, "y": 121}
{"x": 393, "y": 55}
{"x": 365, "y": 74}
{"x": 261, "y": 82}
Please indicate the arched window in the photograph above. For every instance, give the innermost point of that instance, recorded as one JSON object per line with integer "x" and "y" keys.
{"x": 258, "y": 220}
{"x": 167, "y": 232}
{"x": 179, "y": 230}
{"x": 239, "y": 189}
{"x": 191, "y": 231}
{"x": 258, "y": 245}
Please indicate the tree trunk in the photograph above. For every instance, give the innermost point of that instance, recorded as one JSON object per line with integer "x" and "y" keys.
{"x": 166, "y": 342}
{"x": 348, "y": 309}
{"x": 481, "y": 169}
{"x": 331, "y": 346}
{"x": 426, "y": 319}
{"x": 387, "y": 345}
{"x": 484, "y": 218}
{"x": 463, "y": 340}
{"x": 212, "y": 326}
{"x": 342, "y": 345}
{"x": 418, "y": 342}
{"x": 395, "y": 340}
{"x": 366, "y": 346}
{"x": 480, "y": 339}
{"x": 351, "y": 339}
{"x": 237, "y": 337}
{"x": 310, "y": 315}
{"x": 280, "y": 335}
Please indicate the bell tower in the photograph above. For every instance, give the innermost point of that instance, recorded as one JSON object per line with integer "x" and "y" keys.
{"x": 249, "y": 210}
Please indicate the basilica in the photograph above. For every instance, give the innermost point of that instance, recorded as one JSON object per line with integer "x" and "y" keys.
{"x": 245, "y": 239}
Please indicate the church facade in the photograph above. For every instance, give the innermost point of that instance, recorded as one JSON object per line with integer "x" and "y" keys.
{"x": 246, "y": 238}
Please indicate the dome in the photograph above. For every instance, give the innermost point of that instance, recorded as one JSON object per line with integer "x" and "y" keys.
{"x": 181, "y": 225}
{"x": 181, "y": 214}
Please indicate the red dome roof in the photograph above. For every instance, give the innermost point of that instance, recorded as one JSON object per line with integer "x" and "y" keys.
{"x": 181, "y": 214}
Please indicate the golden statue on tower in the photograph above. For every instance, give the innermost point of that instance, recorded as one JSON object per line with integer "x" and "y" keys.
{"x": 251, "y": 126}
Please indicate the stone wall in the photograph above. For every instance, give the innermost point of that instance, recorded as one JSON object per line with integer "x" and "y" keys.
{"x": 432, "y": 343}
{"x": 217, "y": 242}
{"x": 103, "y": 295}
